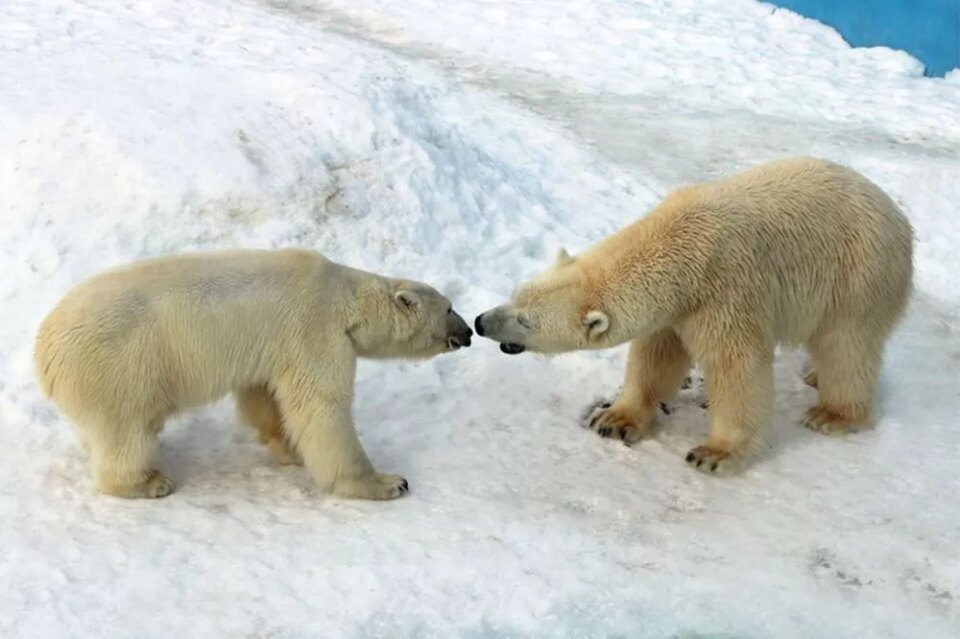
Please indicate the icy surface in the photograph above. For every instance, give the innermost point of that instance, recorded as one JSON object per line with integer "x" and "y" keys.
{"x": 461, "y": 143}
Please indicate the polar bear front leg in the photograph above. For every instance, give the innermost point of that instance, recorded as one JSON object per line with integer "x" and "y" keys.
{"x": 318, "y": 424}
{"x": 740, "y": 388}
{"x": 656, "y": 367}
{"x": 324, "y": 436}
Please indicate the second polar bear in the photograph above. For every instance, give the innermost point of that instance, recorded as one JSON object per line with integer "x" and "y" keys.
{"x": 281, "y": 329}
{"x": 798, "y": 251}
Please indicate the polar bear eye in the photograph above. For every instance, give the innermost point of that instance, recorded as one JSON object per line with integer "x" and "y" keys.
{"x": 524, "y": 321}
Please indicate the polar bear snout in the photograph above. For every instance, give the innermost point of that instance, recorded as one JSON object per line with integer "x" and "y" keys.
{"x": 453, "y": 343}
{"x": 478, "y": 325}
{"x": 459, "y": 333}
{"x": 460, "y": 341}
{"x": 495, "y": 324}
{"x": 492, "y": 323}
{"x": 486, "y": 323}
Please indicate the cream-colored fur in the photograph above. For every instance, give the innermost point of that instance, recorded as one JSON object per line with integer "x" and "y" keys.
{"x": 280, "y": 329}
{"x": 800, "y": 251}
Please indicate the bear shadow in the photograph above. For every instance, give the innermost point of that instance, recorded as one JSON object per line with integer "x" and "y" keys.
{"x": 209, "y": 451}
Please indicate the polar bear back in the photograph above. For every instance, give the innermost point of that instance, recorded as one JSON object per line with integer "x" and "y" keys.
{"x": 804, "y": 240}
{"x": 185, "y": 329}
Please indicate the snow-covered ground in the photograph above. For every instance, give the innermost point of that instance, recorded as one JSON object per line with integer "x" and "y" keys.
{"x": 461, "y": 143}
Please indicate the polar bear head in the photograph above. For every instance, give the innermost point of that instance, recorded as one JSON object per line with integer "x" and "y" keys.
{"x": 555, "y": 312}
{"x": 406, "y": 319}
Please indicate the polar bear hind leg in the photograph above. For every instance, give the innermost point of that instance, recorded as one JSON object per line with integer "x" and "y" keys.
{"x": 258, "y": 408}
{"x": 122, "y": 457}
{"x": 847, "y": 362}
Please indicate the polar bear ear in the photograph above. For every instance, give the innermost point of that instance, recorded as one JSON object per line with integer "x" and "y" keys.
{"x": 407, "y": 299}
{"x": 596, "y": 322}
{"x": 563, "y": 257}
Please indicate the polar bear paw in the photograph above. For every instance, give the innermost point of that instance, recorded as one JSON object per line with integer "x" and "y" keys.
{"x": 612, "y": 421}
{"x": 375, "y": 486}
{"x": 713, "y": 461}
{"x": 829, "y": 422}
{"x": 157, "y": 485}
{"x": 152, "y": 484}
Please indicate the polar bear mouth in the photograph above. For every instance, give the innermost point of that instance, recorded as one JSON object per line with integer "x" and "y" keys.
{"x": 453, "y": 343}
{"x": 512, "y": 349}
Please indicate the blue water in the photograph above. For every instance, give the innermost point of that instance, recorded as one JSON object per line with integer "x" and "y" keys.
{"x": 929, "y": 30}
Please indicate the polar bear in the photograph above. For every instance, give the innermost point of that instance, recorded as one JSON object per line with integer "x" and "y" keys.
{"x": 799, "y": 251}
{"x": 281, "y": 329}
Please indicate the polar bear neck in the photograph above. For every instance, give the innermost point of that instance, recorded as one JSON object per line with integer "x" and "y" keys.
{"x": 367, "y": 292}
{"x": 649, "y": 273}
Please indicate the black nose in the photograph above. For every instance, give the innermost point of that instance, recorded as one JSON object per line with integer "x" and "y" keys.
{"x": 478, "y": 325}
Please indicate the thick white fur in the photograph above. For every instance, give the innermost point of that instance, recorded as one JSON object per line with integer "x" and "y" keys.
{"x": 800, "y": 251}
{"x": 281, "y": 329}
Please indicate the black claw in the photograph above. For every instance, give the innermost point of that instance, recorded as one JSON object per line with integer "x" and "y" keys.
{"x": 622, "y": 431}
{"x": 705, "y": 404}
{"x": 666, "y": 409}
{"x": 699, "y": 463}
{"x": 686, "y": 383}
{"x": 605, "y": 431}
{"x": 690, "y": 457}
{"x": 714, "y": 467}
{"x": 589, "y": 417}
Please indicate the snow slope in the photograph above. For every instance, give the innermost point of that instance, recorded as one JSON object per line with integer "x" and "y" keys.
{"x": 461, "y": 143}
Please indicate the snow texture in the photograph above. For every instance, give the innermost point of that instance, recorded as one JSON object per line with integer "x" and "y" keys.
{"x": 462, "y": 143}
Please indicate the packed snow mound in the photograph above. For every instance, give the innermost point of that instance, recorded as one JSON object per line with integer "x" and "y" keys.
{"x": 462, "y": 143}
